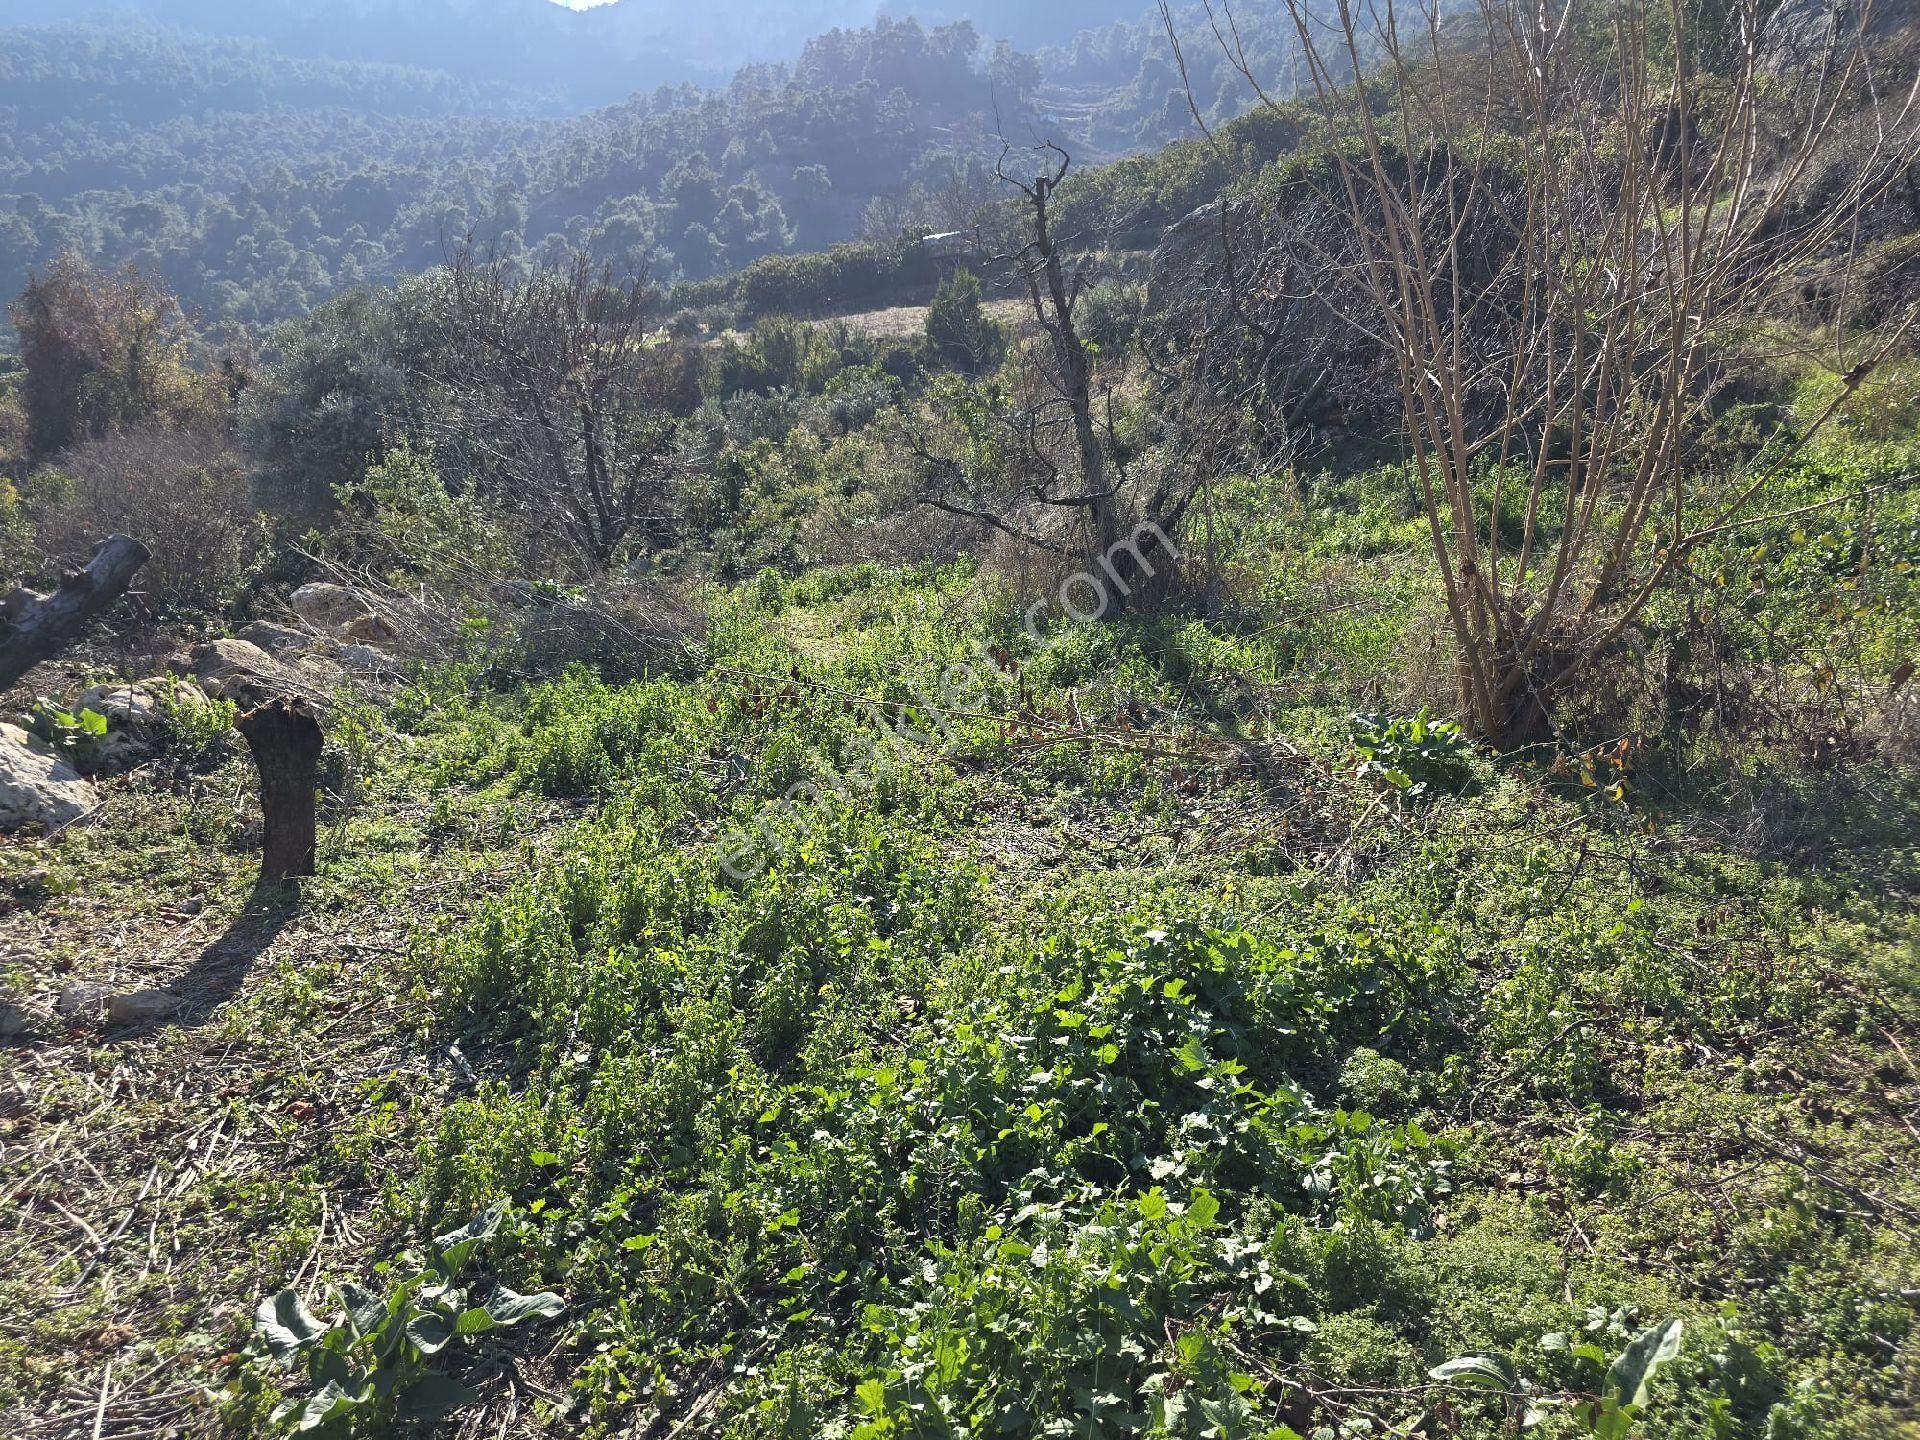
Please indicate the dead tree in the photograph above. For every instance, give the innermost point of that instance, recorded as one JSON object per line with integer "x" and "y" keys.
{"x": 1038, "y": 440}
{"x": 555, "y": 401}
{"x": 286, "y": 742}
{"x": 35, "y": 627}
{"x": 1053, "y": 298}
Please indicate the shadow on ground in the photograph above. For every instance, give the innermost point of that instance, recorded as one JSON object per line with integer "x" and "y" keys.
{"x": 222, "y": 967}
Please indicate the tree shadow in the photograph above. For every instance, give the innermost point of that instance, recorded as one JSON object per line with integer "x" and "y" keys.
{"x": 223, "y": 965}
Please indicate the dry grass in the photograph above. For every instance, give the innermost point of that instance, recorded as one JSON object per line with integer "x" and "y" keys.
{"x": 163, "y": 1178}
{"x": 902, "y": 322}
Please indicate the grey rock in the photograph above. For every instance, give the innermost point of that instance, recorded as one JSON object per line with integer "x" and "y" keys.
{"x": 88, "y": 1001}
{"x": 83, "y": 1000}
{"x": 242, "y": 672}
{"x": 370, "y": 630}
{"x": 38, "y": 786}
{"x": 365, "y": 660}
{"x": 279, "y": 641}
{"x": 142, "y": 1007}
{"x": 123, "y": 704}
{"x": 120, "y": 749}
{"x": 327, "y": 607}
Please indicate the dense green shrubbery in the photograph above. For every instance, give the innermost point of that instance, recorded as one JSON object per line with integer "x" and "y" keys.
{"x": 1143, "y": 1150}
{"x": 839, "y": 279}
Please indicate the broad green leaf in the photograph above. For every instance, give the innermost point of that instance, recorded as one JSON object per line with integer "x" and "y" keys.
{"x": 1653, "y": 1347}
{"x": 331, "y": 1402}
{"x": 476, "y": 1321}
{"x": 456, "y": 1245}
{"x": 430, "y": 1331}
{"x": 364, "y": 1308}
{"x": 481, "y": 1227}
{"x": 508, "y": 1308}
{"x": 287, "y": 1325}
{"x": 325, "y": 1363}
{"x": 434, "y": 1395}
{"x": 1491, "y": 1372}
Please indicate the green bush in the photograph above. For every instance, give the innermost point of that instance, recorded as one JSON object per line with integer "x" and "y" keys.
{"x": 959, "y": 334}
{"x": 401, "y": 520}
{"x": 1411, "y": 757}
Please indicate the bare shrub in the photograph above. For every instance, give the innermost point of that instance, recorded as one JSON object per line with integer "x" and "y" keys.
{"x": 558, "y": 407}
{"x": 184, "y": 493}
{"x": 619, "y": 626}
{"x": 841, "y": 534}
{"x": 1562, "y": 227}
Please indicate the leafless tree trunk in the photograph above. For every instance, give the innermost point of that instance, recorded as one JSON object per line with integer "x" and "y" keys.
{"x": 286, "y": 742}
{"x": 1040, "y": 438}
{"x": 1053, "y": 298}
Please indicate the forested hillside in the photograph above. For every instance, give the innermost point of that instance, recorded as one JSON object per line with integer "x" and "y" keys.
{"x": 1133, "y": 91}
{"x": 259, "y": 182}
{"x": 1271, "y": 794}
{"x": 578, "y": 58}
{"x": 259, "y": 185}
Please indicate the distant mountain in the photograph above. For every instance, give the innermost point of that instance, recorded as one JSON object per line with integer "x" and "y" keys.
{"x": 258, "y": 183}
{"x": 577, "y": 58}
{"x": 270, "y": 157}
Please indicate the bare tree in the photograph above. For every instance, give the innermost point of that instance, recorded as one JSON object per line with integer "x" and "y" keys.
{"x": 1034, "y": 443}
{"x": 1070, "y": 373}
{"x": 555, "y": 404}
{"x": 1561, "y": 228}
{"x": 1037, "y": 450}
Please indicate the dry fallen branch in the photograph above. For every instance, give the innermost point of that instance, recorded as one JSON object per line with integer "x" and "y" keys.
{"x": 37, "y": 626}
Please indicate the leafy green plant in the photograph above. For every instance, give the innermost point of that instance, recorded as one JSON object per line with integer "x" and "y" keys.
{"x": 1609, "y": 1415}
{"x": 75, "y": 735}
{"x": 1411, "y": 756}
{"x": 370, "y": 1369}
{"x": 959, "y": 331}
{"x": 197, "y": 728}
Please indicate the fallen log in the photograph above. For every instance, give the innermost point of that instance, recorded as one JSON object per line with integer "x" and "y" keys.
{"x": 36, "y": 627}
{"x": 286, "y": 742}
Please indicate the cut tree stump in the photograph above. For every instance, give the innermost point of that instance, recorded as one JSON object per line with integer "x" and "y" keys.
{"x": 285, "y": 739}
{"x": 34, "y": 627}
